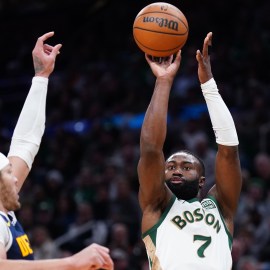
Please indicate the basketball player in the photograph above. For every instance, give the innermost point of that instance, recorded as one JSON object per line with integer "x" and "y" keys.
{"x": 181, "y": 231}
{"x": 15, "y": 249}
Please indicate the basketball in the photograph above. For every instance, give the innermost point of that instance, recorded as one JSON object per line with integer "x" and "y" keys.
{"x": 160, "y": 29}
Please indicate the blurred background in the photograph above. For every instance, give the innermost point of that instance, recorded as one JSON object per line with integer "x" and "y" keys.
{"x": 83, "y": 185}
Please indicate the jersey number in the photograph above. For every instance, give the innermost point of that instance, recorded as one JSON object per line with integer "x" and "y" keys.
{"x": 24, "y": 245}
{"x": 206, "y": 239}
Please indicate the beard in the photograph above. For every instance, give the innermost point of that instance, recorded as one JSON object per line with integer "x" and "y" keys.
{"x": 9, "y": 199}
{"x": 186, "y": 190}
{"x": 13, "y": 206}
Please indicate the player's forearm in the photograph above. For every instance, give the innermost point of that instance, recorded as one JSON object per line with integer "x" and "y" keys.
{"x": 222, "y": 121}
{"x": 31, "y": 123}
{"x": 155, "y": 122}
{"x": 53, "y": 264}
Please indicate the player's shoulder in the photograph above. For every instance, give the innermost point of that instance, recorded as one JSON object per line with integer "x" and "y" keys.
{"x": 4, "y": 223}
{"x": 3, "y": 217}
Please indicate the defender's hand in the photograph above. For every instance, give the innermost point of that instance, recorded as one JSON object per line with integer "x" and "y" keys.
{"x": 44, "y": 56}
{"x": 204, "y": 64}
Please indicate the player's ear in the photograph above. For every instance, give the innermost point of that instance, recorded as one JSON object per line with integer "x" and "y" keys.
{"x": 201, "y": 181}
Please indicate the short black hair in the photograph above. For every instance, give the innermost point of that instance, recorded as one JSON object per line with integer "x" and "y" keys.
{"x": 194, "y": 155}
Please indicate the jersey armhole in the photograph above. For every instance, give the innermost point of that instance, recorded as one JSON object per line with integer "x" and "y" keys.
{"x": 230, "y": 237}
{"x": 163, "y": 216}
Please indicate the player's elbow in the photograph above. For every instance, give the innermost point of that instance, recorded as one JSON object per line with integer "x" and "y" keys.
{"x": 228, "y": 152}
{"x": 150, "y": 150}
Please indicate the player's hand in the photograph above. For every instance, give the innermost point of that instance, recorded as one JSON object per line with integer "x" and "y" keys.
{"x": 164, "y": 67}
{"x": 93, "y": 257}
{"x": 204, "y": 64}
{"x": 44, "y": 56}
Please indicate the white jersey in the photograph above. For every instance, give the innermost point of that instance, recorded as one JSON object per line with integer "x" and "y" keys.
{"x": 189, "y": 235}
{"x": 6, "y": 237}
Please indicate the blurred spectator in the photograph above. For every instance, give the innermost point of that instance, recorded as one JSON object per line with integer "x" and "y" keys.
{"x": 262, "y": 168}
{"x": 247, "y": 263}
{"x": 43, "y": 245}
{"x": 65, "y": 208}
{"x": 119, "y": 237}
{"x": 84, "y": 230}
{"x": 121, "y": 259}
{"x": 124, "y": 208}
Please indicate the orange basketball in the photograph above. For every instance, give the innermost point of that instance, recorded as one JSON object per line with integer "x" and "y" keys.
{"x": 160, "y": 29}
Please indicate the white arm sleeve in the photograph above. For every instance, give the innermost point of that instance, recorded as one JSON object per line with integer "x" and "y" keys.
{"x": 222, "y": 121}
{"x": 31, "y": 123}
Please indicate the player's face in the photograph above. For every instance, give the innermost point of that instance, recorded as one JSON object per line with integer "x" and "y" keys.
{"x": 9, "y": 198}
{"x": 182, "y": 175}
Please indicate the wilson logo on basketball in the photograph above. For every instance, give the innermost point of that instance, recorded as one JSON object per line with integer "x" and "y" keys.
{"x": 170, "y": 24}
{"x": 160, "y": 29}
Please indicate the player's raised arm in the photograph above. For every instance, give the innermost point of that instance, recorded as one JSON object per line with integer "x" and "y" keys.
{"x": 153, "y": 193}
{"x": 31, "y": 123}
{"x": 228, "y": 171}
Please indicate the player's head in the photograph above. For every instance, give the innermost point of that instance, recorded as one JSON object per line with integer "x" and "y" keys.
{"x": 9, "y": 199}
{"x": 184, "y": 174}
